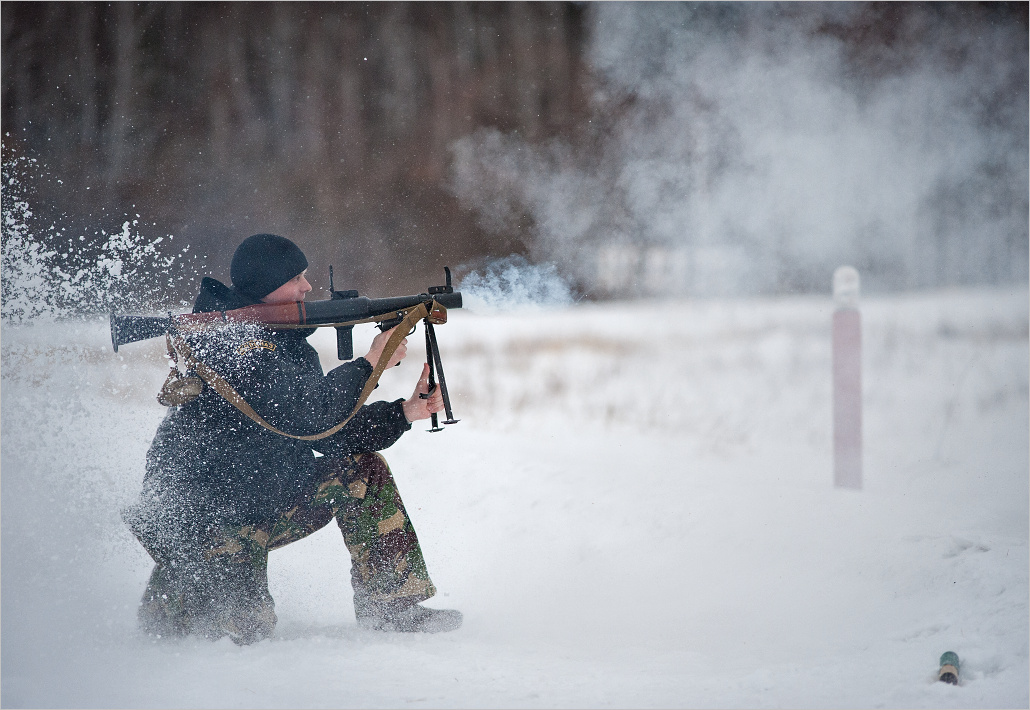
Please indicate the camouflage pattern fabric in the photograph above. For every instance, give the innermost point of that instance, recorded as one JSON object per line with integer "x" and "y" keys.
{"x": 224, "y": 589}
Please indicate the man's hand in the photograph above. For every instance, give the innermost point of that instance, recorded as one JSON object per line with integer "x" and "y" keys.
{"x": 417, "y": 408}
{"x": 379, "y": 342}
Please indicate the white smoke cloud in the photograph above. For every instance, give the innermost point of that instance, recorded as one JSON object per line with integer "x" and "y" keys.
{"x": 512, "y": 283}
{"x": 733, "y": 149}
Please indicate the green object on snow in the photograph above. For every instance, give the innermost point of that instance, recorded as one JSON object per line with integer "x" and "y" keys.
{"x": 949, "y": 668}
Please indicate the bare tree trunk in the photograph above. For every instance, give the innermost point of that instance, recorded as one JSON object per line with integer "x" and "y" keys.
{"x": 222, "y": 138}
{"x": 86, "y": 69}
{"x": 524, "y": 75}
{"x": 116, "y": 138}
{"x": 282, "y": 77}
{"x": 350, "y": 120}
{"x": 312, "y": 109}
{"x": 17, "y": 74}
{"x": 251, "y": 127}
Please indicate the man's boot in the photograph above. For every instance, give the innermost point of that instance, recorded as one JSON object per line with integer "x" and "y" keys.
{"x": 411, "y": 618}
{"x": 243, "y": 609}
{"x": 248, "y": 623}
{"x": 162, "y": 610}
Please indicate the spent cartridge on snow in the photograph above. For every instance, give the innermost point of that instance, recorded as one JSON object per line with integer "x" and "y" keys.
{"x": 949, "y": 668}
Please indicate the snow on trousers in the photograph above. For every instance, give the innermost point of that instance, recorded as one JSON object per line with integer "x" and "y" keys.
{"x": 223, "y": 587}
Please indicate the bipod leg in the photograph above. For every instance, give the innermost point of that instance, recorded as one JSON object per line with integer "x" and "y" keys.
{"x": 432, "y": 376}
{"x": 431, "y": 335}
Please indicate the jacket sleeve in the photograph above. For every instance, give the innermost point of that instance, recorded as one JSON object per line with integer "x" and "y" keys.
{"x": 290, "y": 393}
{"x": 375, "y": 427}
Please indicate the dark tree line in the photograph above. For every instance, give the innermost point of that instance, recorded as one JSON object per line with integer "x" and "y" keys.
{"x": 327, "y": 122}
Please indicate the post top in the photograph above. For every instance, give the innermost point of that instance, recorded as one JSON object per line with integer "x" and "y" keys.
{"x": 846, "y": 286}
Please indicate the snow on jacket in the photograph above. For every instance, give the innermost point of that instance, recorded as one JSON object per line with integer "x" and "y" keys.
{"x": 211, "y": 464}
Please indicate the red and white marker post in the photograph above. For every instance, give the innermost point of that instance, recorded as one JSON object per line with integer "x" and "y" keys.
{"x": 847, "y": 380}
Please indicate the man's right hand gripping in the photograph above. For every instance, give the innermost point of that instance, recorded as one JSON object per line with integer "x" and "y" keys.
{"x": 379, "y": 343}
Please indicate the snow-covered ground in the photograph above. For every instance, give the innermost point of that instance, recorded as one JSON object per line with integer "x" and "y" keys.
{"x": 637, "y": 510}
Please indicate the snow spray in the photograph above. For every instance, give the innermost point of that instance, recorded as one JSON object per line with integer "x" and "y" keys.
{"x": 847, "y": 380}
{"x": 77, "y": 421}
{"x": 949, "y": 668}
{"x": 48, "y": 272}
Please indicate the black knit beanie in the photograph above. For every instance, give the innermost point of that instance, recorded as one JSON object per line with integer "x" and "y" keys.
{"x": 263, "y": 263}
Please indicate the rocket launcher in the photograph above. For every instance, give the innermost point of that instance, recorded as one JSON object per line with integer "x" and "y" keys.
{"x": 343, "y": 310}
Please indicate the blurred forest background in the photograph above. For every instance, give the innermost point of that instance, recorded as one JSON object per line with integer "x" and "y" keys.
{"x": 340, "y": 125}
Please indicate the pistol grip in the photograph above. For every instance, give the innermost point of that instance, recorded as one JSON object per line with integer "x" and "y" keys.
{"x": 345, "y": 342}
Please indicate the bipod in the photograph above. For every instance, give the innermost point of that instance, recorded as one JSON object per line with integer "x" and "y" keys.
{"x": 436, "y": 366}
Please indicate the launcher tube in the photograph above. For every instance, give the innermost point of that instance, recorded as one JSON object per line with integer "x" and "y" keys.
{"x": 129, "y": 329}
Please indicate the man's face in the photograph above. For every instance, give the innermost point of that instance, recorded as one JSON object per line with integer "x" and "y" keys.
{"x": 293, "y": 290}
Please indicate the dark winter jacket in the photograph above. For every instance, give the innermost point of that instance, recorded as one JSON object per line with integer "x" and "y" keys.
{"x": 211, "y": 464}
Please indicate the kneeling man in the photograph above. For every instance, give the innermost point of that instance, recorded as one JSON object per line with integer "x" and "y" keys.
{"x": 221, "y": 491}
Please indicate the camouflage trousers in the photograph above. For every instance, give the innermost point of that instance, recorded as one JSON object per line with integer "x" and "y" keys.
{"x": 222, "y": 588}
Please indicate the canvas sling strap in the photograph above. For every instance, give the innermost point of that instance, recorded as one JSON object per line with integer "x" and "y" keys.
{"x": 219, "y": 385}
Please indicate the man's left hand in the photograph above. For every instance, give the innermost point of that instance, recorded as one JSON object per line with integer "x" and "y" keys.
{"x": 417, "y": 408}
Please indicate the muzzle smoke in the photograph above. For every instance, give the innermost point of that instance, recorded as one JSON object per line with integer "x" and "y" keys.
{"x": 739, "y": 148}
{"x": 512, "y": 283}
